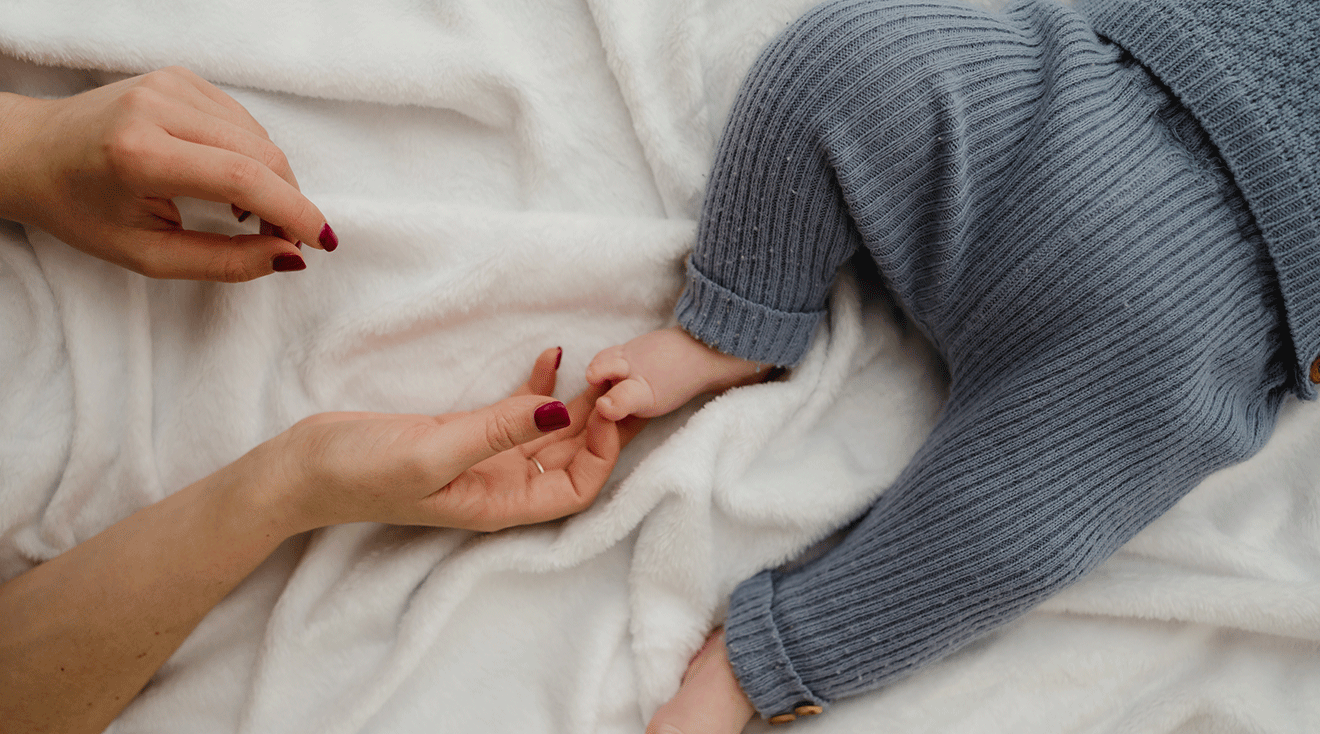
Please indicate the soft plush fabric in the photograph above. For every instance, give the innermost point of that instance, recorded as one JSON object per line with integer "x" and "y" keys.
{"x": 1075, "y": 247}
{"x": 505, "y": 176}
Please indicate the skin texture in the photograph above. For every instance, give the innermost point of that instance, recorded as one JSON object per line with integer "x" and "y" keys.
{"x": 649, "y": 377}
{"x": 85, "y": 631}
{"x": 99, "y": 171}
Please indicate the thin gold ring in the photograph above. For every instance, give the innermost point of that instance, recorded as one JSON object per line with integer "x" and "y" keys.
{"x": 538, "y": 464}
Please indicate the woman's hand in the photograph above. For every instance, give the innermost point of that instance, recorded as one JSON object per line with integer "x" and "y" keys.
{"x": 85, "y": 631}
{"x": 524, "y": 460}
{"x": 99, "y": 171}
{"x": 709, "y": 701}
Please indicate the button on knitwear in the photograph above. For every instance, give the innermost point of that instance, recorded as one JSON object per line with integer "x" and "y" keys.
{"x": 1068, "y": 236}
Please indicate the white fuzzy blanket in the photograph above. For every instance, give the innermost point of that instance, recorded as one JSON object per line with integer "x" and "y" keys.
{"x": 505, "y": 176}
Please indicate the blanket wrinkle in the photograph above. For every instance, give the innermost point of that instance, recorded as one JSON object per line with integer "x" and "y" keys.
{"x": 508, "y": 176}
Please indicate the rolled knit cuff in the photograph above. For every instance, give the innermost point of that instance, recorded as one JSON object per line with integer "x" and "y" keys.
{"x": 757, "y": 654}
{"x": 745, "y": 329}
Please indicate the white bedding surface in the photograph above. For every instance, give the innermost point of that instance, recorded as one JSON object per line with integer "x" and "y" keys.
{"x": 507, "y": 176}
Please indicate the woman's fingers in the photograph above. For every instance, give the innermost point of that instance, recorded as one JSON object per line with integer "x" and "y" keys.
{"x": 176, "y": 105}
{"x": 185, "y": 254}
{"x": 186, "y": 122}
{"x": 183, "y": 168}
{"x": 181, "y": 83}
{"x": 544, "y": 373}
{"x": 480, "y": 434}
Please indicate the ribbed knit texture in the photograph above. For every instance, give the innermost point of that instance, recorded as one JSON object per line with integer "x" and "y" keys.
{"x": 1250, "y": 73}
{"x": 1068, "y": 237}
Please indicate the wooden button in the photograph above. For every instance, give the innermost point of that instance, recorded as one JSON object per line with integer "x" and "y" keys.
{"x": 782, "y": 718}
{"x": 807, "y": 710}
{"x": 1315, "y": 371}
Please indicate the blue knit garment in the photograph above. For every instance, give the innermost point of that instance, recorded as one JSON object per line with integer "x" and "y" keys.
{"x": 1122, "y": 308}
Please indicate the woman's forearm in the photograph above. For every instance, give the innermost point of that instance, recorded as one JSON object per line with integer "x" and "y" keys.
{"x": 16, "y": 112}
{"x": 85, "y": 631}
{"x": 81, "y": 634}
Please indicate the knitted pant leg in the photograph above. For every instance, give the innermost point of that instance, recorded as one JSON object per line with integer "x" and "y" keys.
{"x": 1067, "y": 238}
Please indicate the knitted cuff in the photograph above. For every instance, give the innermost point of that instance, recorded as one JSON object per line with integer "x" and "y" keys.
{"x": 734, "y": 325}
{"x": 757, "y": 654}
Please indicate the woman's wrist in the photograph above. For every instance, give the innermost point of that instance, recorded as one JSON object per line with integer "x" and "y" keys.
{"x": 17, "y": 123}
{"x": 255, "y": 496}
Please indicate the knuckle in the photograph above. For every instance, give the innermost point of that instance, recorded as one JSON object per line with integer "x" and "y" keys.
{"x": 306, "y": 215}
{"x": 127, "y": 148}
{"x": 175, "y": 71}
{"x": 241, "y": 177}
{"x": 273, "y": 157}
{"x": 224, "y": 268}
{"x": 233, "y": 272}
{"x": 141, "y": 99}
{"x": 500, "y": 432}
{"x": 160, "y": 80}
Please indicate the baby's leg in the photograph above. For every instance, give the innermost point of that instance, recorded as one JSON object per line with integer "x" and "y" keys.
{"x": 1068, "y": 239}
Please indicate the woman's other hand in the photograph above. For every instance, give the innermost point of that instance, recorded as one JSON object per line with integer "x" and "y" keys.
{"x": 100, "y": 170}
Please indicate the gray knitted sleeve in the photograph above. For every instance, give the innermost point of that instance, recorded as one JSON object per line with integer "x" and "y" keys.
{"x": 1069, "y": 239}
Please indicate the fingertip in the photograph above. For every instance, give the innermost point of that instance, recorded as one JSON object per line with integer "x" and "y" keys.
{"x": 550, "y": 358}
{"x": 551, "y": 416}
{"x": 327, "y": 238}
{"x": 287, "y": 262}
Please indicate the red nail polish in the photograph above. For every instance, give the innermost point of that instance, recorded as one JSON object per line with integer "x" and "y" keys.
{"x": 551, "y": 416}
{"x": 559, "y": 357}
{"x": 286, "y": 262}
{"x": 328, "y": 239}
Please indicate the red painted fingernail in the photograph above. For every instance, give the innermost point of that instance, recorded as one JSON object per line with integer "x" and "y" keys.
{"x": 328, "y": 239}
{"x": 298, "y": 244}
{"x": 286, "y": 262}
{"x": 559, "y": 357}
{"x": 551, "y": 416}
{"x": 243, "y": 217}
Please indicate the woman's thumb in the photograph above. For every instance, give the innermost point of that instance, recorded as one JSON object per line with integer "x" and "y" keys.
{"x": 511, "y": 422}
